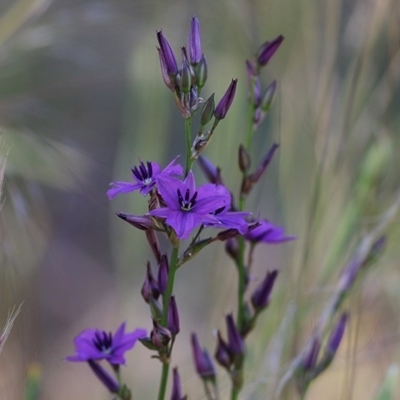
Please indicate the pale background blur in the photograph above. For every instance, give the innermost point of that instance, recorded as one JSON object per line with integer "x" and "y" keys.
{"x": 81, "y": 99}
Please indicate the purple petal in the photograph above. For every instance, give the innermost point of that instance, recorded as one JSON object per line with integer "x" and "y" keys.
{"x": 123, "y": 187}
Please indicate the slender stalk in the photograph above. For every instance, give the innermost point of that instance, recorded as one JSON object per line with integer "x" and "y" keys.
{"x": 188, "y": 130}
{"x": 234, "y": 393}
{"x": 166, "y": 298}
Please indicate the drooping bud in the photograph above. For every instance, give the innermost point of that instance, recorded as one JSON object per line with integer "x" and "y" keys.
{"x": 173, "y": 317}
{"x": 176, "y": 386}
{"x": 236, "y": 343}
{"x": 244, "y": 159}
{"x": 108, "y": 381}
{"x": 267, "y": 50}
{"x": 201, "y": 72}
{"x": 140, "y": 222}
{"x": 208, "y": 111}
{"x": 262, "y": 166}
{"x": 225, "y": 103}
{"x": 269, "y": 96}
{"x": 202, "y": 360}
{"x": 222, "y": 353}
{"x": 163, "y": 270}
{"x": 195, "y": 52}
{"x": 168, "y": 55}
{"x": 261, "y": 296}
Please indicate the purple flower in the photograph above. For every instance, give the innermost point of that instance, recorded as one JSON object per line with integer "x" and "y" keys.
{"x": 188, "y": 207}
{"x": 146, "y": 176}
{"x": 167, "y": 55}
{"x": 94, "y": 344}
{"x": 268, "y": 233}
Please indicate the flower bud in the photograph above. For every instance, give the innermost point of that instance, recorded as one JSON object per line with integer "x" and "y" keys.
{"x": 140, "y": 222}
{"x": 267, "y": 50}
{"x": 186, "y": 77}
{"x": 310, "y": 359}
{"x": 225, "y": 103}
{"x": 235, "y": 341}
{"x": 153, "y": 242}
{"x": 195, "y": 52}
{"x": 222, "y": 353}
{"x": 150, "y": 285}
{"x": 201, "y": 71}
{"x": 269, "y": 96}
{"x": 336, "y": 335}
{"x": 167, "y": 54}
{"x": 262, "y": 166}
{"x": 202, "y": 360}
{"x": 173, "y": 317}
{"x": 232, "y": 248}
{"x": 212, "y": 173}
{"x": 160, "y": 336}
{"x": 176, "y": 386}
{"x": 208, "y": 111}
{"x": 260, "y": 298}
{"x": 108, "y": 381}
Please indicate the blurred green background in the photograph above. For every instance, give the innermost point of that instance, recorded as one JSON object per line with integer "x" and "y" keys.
{"x": 81, "y": 99}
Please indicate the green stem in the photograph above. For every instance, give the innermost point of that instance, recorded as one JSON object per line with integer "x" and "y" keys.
{"x": 234, "y": 393}
{"x": 166, "y": 298}
{"x": 188, "y": 131}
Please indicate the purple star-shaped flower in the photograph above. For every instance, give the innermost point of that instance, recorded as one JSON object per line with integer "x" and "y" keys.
{"x": 146, "y": 176}
{"x": 188, "y": 207}
{"x": 94, "y": 344}
{"x": 268, "y": 233}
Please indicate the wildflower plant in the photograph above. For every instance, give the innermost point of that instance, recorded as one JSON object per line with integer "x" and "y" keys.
{"x": 187, "y": 215}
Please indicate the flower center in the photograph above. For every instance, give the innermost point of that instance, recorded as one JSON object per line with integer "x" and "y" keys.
{"x": 144, "y": 174}
{"x": 103, "y": 341}
{"x": 188, "y": 202}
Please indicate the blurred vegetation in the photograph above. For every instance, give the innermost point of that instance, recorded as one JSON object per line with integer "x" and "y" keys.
{"x": 81, "y": 99}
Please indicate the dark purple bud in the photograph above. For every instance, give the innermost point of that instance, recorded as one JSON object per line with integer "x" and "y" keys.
{"x": 337, "y": 335}
{"x": 163, "y": 271}
{"x": 264, "y": 163}
{"x": 141, "y": 222}
{"x": 269, "y": 96}
{"x": 244, "y": 159}
{"x": 201, "y": 72}
{"x": 108, "y": 381}
{"x": 208, "y": 111}
{"x": 164, "y": 73}
{"x": 226, "y": 101}
{"x": 212, "y": 173}
{"x": 176, "y": 386}
{"x": 147, "y": 342}
{"x": 260, "y": 298}
{"x": 168, "y": 55}
{"x": 310, "y": 359}
{"x": 267, "y": 50}
{"x": 155, "y": 308}
{"x": 150, "y": 285}
{"x": 232, "y": 248}
{"x": 160, "y": 336}
{"x": 227, "y": 234}
{"x": 195, "y": 42}
{"x": 222, "y": 353}
{"x": 235, "y": 341}
{"x": 202, "y": 360}
{"x": 173, "y": 317}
